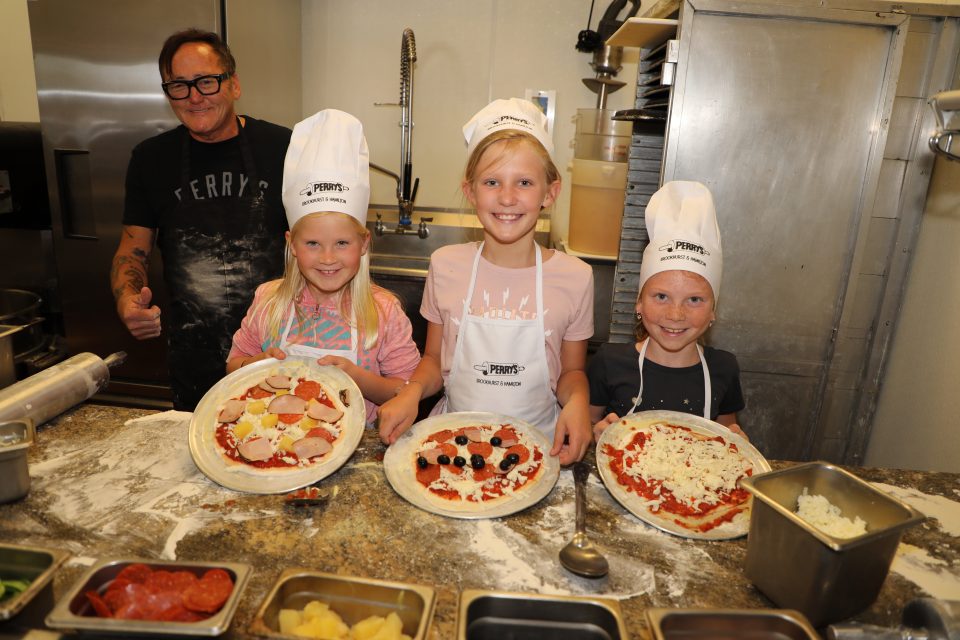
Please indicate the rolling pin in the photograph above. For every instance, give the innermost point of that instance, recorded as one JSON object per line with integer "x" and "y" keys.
{"x": 52, "y": 391}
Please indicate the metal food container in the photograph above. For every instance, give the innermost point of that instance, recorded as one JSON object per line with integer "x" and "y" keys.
{"x": 729, "y": 624}
{"x": 352, "y": 598}
{"x": 800, "y": 567}
{"x": 497, "y": 615}
{"x": 16, "y": 436}
{"x": 35, "y": 564}
{"x": 75, "y": 613}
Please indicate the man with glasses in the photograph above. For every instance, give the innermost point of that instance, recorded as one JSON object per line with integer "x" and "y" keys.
{"x": 209, "y": 193}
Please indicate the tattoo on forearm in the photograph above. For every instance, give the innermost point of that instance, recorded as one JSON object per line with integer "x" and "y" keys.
{"x": 129, "y": 273}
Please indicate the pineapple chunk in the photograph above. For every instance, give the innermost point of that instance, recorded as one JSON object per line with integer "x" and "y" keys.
{"x": 256, "y": 407}
{"x": 290, "y": 619}
{"x": 283, "y": 392}
{"x": 270, "y": 420}
{"x": 307, "y": 423}
{"x": 285, "y": 443}
{"x": 242, "y": 430}
{"x": 314, "y": 609}
{"x": 367, "y": 628}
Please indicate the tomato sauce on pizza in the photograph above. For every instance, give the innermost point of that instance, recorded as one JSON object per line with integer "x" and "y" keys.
{"x": 684, "y": 476}
{"x": 476, "y": 463}
{"x": 281, "y": 422}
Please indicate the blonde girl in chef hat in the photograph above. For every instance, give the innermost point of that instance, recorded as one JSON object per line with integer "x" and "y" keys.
{"x": 508, "y": 319}
{"x": 325, "y": 306}
{"x": 667, "y": 368}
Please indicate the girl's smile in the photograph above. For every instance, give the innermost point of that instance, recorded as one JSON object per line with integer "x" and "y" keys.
{"x": 509, "y": 191}
{"x": 328, "y": 250}
{"x": 676, "y": 308}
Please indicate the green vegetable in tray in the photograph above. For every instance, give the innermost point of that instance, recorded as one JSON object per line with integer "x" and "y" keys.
{"x": 12, "y": 588}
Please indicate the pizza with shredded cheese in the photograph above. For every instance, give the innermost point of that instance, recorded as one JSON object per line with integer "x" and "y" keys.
{"x": 284, "y": 421}
{"x": 678, "y": 475}
{"x": 472, "y": 465}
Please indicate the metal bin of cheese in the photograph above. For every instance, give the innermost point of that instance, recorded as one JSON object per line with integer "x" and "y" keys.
{"x": 343, "y": 603}
{"x": 130, "y": 597}
{"x": 800, "y": 566}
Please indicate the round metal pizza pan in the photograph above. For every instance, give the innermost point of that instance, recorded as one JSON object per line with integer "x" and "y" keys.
{"x": 399, "y": 466}
{"x": 636, "y": 505}
{"x": 239, "y": 477}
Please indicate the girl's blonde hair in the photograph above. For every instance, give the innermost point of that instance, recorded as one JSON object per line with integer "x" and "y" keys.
{"x": 357, "y": 304}
{"x": 513, "y": 138}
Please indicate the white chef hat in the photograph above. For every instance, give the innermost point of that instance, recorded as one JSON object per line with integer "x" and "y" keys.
{"x": 327, "y": 167}
{"x": 511, "y": 113}
{"x": 684, "y": 236}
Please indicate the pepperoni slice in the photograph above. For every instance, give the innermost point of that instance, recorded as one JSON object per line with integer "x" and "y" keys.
{"x": 182, "y": 580}
{"x": 441, "y": 436}
{"x": 99, "y": 606}
{"x": 257, "y": 393}
{"x": 481, "y": 448}
{"x": 289, "y": 418}
{"x": 508, "y": 437}
{"x": 483, "y": 474}
{"x": 428, "y": 475}
{"x": 136, "y": 573}
{"x": 210, "y": 593}
{"x": 117, "y": 584}
{"x": 521, "y": 451}
{"x": 159, "y": 581}
{"x": 307, "y": 389}
{"x": 320, "y": 432}
{"x": 448, "y": 449}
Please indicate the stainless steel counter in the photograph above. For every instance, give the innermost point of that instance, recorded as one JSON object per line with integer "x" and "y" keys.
{"x": 106, "y": 486}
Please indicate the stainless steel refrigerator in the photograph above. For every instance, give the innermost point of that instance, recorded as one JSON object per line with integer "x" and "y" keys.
{"x": 98, "y": 90}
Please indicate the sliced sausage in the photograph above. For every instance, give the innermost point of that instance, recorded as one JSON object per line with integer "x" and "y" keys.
{"x": 256, "y": 449}
{"x": 326, "y": 413}
{"x": 310, "y": 447}
{"x": 287, "y": 403}
{"x": 431, "y": 455}
{"x": 474, "y": 434}
{"x": 232, "y": 410}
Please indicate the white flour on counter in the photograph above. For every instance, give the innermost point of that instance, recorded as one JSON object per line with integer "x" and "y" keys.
{"x": 934, "y": 575}
{"x": 521, "y": 564}
{"x": 145, "y": 469}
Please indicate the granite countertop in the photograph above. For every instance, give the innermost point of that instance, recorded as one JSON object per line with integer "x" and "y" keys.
{"x": 112, "y": 482}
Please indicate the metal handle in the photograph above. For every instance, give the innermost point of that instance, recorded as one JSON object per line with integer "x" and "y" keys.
{"x": 580, "y": 474}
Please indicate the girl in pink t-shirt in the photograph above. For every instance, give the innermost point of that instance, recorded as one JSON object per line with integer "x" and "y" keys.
{"x": 325, "y": 306}
{"x": 508, "y": 319}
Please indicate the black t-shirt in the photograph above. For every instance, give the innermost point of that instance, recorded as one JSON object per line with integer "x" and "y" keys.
{"x": 216, "y": 171}
{"x": 615, "y": 379}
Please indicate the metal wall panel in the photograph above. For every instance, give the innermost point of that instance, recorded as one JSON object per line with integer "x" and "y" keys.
{"x": 783, "y": 111}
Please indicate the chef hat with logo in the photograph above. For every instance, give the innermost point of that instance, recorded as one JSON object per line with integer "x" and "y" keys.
{"x": 511, "y": 113}
{"x": 684, "y": 236}
{"x": 327, "y": 167}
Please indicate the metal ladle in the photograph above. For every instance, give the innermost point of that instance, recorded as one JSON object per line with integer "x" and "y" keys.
{"x": 580, "y": 556}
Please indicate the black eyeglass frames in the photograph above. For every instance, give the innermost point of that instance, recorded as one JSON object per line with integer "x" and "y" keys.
{"x": 205, "y": 86}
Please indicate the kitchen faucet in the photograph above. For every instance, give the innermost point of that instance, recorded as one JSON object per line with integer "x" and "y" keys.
{"x": 405, "y": 194}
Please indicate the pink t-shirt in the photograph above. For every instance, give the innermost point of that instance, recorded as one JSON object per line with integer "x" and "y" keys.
{"x": 394, "y": 354}
{"x": 511, "y": 294}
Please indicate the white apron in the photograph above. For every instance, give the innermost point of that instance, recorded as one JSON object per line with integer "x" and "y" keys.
{"x": 707, "y": 388}
{"x": 501, "y": 365}
{"x": 305, "y": 351}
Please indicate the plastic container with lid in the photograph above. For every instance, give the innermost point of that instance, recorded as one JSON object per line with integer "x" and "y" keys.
{"x": 600, "y": 137}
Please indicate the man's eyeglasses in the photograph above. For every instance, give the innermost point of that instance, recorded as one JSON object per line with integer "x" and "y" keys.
{"x": 205, "y": 86}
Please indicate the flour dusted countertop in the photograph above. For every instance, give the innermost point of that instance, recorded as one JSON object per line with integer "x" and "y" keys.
{"x": 116, "y": 482}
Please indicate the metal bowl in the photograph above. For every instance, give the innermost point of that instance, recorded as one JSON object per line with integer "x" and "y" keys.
{"x": 16, "y": 436}
{"x": 800, "y": 567}
{"x": 496, "y": 615}
{"x": 352, "y": 598}
{"x": 35, "y": 564}
{"x": 729, "y": 624}
{"x": 74, "y": 612}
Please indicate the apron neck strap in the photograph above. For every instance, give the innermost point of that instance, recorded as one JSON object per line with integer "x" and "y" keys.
{"x": 707, "y": 386}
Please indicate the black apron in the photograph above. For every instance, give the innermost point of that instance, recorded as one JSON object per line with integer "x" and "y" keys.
{"x": 215, "y": 253}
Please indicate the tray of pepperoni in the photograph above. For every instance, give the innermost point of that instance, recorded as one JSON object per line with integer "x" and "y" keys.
{"x": 152, "y": 598}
